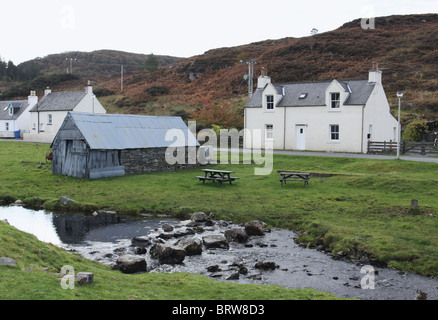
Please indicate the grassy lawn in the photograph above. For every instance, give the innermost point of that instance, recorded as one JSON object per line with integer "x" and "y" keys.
{"x": 362, "y": 209}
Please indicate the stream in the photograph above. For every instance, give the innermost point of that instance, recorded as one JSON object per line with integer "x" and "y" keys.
{"x": 105, "y": 237}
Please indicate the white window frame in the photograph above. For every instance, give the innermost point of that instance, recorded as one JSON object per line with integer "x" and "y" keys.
{"x": 11, "y": 111}
{"x": 335, "y": 135}
{"x": 270, "y": 104}
{"x": 269, "y": 132}
{"x": 7, "y": 126}
{"x": 335, "y": 104}
{"x": 49, "y": 119}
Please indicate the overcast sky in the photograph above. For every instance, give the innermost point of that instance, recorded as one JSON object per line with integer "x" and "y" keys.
{"x": 181, "y": 28}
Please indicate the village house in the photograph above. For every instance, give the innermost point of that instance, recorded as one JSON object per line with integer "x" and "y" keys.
{"x": 331, "y": 116}
{"x": 15, "y": 116}
{"x": 93, "y": 146}
{"x": 47, "y": 116}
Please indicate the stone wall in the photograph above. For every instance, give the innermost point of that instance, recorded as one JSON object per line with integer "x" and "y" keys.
{"x": 137, "y": 161}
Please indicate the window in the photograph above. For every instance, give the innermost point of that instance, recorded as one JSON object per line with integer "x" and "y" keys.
{"x": 303, "y": 96}
{"x": 49, "y": 119}
{"x": 269, "y": 131}
{"x": 334, "y": 132}
{"x": 7, "y": 126}
{"x": 11, "y": 110}
{"x": 33, "y": 126}
{"x": 270, "y": 102}
{"x": 335, "y": 100}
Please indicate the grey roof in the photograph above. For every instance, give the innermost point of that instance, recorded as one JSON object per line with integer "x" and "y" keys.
{"x": 19, "y": 107}
{"x": 120, "y": 132}
{"x": 59, "y": 101}
{"x": 360, "y": 93}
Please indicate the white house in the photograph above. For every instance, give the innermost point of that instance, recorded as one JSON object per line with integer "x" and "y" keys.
{"x": 48, "y": 115}
{"x": 332, "y": 116}
{"x": 15, "y": 116}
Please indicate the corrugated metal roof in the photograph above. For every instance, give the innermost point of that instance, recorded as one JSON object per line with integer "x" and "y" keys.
{"x": 119, "y": 132}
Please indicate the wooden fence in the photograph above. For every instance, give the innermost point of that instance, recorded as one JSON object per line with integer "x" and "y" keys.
{"x": 390, "y": 147}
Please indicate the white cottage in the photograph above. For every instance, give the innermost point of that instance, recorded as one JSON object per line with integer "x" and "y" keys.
{"x": 15, "y": 116}
{"x": 48, "y": 115}
{"x": 332, "y": 116}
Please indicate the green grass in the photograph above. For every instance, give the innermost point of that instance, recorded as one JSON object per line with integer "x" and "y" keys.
{"x": 363, "y": 209}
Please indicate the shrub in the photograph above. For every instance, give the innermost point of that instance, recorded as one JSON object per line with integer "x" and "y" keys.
{"x": 157, "y": 90}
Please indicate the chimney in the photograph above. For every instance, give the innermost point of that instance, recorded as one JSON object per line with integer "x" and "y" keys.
{"x": 32, "y": 99}
{"x": 89, "y": 87}
{"x": 375, "y": 75}
{"x": 263, "y": 79}
{"x": 47, "y": 91}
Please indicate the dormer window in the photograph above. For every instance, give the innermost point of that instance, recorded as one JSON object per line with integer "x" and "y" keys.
{"x": 270, "y": 102}
{"x": 335, "y": 102}
{"x": 11, "y": 110}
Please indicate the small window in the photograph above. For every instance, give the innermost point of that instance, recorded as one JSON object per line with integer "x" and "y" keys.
{"x": 335, "y": 100}
{"x": 49, "y": 119}
{"x": 334, "y": 132}
{"x": 7, "y": 126}
{"x": 269, "y": 131}
{"x": 11, "y": 110}
{"x": 33, "y": 126}
{"x": 270, "y": 102}
{"x": 303, "y": 96}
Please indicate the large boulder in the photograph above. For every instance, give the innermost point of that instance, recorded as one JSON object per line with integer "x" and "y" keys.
{"x": 65, "y": 201}
{"x": 191, "y": 246}
{"x": 236, "y": 235}
{"x": 167, "y": 254}
{"x": 7, "y": 262}
{"x": 256, "y": 228}
{"x": 199, "y": 217}
{"x": 215, "y": 241}
{"x": 143, "y": 241}
{"x": 131, "y": 264}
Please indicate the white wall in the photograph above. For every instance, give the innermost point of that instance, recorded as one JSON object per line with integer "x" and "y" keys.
{"x": 88, "y": 104}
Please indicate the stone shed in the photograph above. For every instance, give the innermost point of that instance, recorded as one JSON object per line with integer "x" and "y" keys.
{"x": 93, "y": 146}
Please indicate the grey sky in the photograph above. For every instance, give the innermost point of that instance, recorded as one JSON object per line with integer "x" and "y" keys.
{"x": 181, "y": 28}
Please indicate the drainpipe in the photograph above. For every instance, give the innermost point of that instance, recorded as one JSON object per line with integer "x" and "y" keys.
{"x": 361, "y": 142}
{"x": 284, "y": 130}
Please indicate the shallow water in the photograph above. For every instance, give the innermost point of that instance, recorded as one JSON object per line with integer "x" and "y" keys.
{"x": 105, "y": 237}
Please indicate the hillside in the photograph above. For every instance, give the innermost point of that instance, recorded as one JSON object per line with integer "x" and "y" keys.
{"x": 405, "y": 47}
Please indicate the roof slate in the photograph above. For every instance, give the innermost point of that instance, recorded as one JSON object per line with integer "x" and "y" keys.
{"x": 360, "y": 93}
{"x": 19, "y": 104}
{"x": 59, "y": 101}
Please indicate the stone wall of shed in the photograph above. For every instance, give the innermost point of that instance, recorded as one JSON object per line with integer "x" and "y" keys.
{"x": 137, "y": 161}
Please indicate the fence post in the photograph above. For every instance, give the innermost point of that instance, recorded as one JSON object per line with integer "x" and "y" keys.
{"x": 423, "y": 149}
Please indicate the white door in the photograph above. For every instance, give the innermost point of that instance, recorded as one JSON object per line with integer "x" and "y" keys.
{"x": 301, "y": 138}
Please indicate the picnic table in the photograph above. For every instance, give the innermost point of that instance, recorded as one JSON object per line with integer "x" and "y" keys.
{"x": 217, "y": 175}
{"x": 294, "y": 176}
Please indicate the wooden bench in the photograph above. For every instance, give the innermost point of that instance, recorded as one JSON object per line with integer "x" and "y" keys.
{"x": 294, "y": 176}
{"x": 217, "y": 175}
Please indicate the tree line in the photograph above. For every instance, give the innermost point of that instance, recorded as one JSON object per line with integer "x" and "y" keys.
{"x": 9, "y": 72}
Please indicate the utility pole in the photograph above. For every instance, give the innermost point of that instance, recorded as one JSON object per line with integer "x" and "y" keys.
{"x": 71, "y": 64}
{"x": 250, "y": 76}
{"x": 121, "y": 88}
